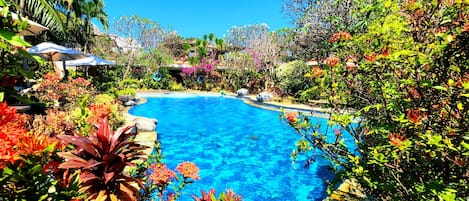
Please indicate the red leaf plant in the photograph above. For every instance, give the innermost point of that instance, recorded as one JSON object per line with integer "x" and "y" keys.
{"x": 101, "y": 159}
{"x": 229, "y": 195}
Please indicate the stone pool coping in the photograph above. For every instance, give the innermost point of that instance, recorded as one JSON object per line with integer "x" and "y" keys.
{"x": 250, "y": 99}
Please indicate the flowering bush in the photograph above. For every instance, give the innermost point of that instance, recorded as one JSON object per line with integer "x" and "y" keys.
{"x": 229, "y": 195}
{"x": 408, "y": 96}
{"x": 161, "y": 177}
{"x": 53, "y": 92}
{"x": 203, "y": 76}
{"x": 27, "y": 168}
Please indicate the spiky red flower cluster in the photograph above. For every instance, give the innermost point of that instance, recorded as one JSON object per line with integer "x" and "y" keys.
{"x": 188, "y": 170}
{"x": 340, "y": 36}
{"x": 15, "y": 140}
{"x": 161, "y": 175}
{"x": 396, "y": 139}
{"x": 332, "y": 61}
{"x": 317, "y": 72}
{"x": 292, "y": 117}
{"x": 99, "y": 112}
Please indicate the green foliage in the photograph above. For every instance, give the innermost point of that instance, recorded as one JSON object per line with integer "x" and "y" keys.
{"x": 126, "y": 91}
{"x": 30, "y": 179}
{"x": 291, "y": 77}
{"x": 150, "y": 83}
{"x": 12, "y": 53}
{"x": 174, "y": 86}
{"x": 108, "y": 77}
{"x": 243, "y": 78}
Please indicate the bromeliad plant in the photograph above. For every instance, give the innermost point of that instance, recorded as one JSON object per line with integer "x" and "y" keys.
{"x": 101, "y": 159}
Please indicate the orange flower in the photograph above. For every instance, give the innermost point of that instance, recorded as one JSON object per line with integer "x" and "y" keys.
{"x": 317, "y": 72}
{"x": 161, "y": 175}
{"x": 332, "y": 61}
{"x": 340, "y": 36}
{"x": 292, "y": 117}
{"x": 171, "y": 197}
{"x": 188, "y": 170}
{"x": 370, "y": 57}
{"x": 466, "y": 27}
{"x": 99, "y": 112}
{"x": 413, "y": 93}
{"x": 385, "y": 52}
{"x": 396, "y": 139}
{"x": 414, "y": 115}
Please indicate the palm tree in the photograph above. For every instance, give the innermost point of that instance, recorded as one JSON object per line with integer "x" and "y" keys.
{"x": 90, "y": 10}
{"x": 41, "y": 11}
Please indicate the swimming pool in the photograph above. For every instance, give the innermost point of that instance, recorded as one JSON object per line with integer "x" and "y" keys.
{"x": 236, "y": 146}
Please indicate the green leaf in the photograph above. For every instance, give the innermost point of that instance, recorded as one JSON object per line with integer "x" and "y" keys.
{"x": 434, "y": 139}
{"x": 13, "y": 39}
{"x": 460, "y": 106}
{"x": 440, "y": 88}
{"x": 2, "y": 96}
{"x": 37, "y": 168}
{"x": 8, "y": 171}
{"x": 465, "y": 145}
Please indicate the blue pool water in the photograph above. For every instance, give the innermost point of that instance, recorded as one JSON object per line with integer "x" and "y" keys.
{"x": 236, "y": 146}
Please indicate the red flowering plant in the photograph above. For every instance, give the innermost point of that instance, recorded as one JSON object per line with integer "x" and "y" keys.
{"x": 54, "y": 92}
{"x": 202, "y": 76}
{"x": 28, "y": 170}
{"x": 229, "y": 195}
{"x": 158, "y": 178}
{"x": 409, "y": 90}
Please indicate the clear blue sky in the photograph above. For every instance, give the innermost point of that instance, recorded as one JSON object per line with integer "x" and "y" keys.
{"x": 194, "y": 18}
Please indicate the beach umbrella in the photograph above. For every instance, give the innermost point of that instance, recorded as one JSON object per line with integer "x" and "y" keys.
{"x": 53, "y": 52}
{"x": 33, "y": 29}
{"x": 90, "y": 60}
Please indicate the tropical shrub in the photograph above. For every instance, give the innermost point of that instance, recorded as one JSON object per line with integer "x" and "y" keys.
{"x": 101, "y": 158}
{"x": 229, "y": 195}
{"x": 159, "y": 179}
{"x": 107, "y": 77}
{"x": 12, "y": 52}
{"x": 54, "y": 92}
{"x": 28, "y": 164}
{"x": 202, "y": 77}
{"x": 403, "y": 78}
{"x": 150, "y": 83}
{"x": 174, "y": 86}
{"x": 243, "y": 78}
{"x": 291, "y": 77}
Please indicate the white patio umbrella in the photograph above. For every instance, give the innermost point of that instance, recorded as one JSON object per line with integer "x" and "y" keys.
{"x": 33, "y": 29}
{"x": 90, "y": 60}
{"x": 53, "y": 52}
